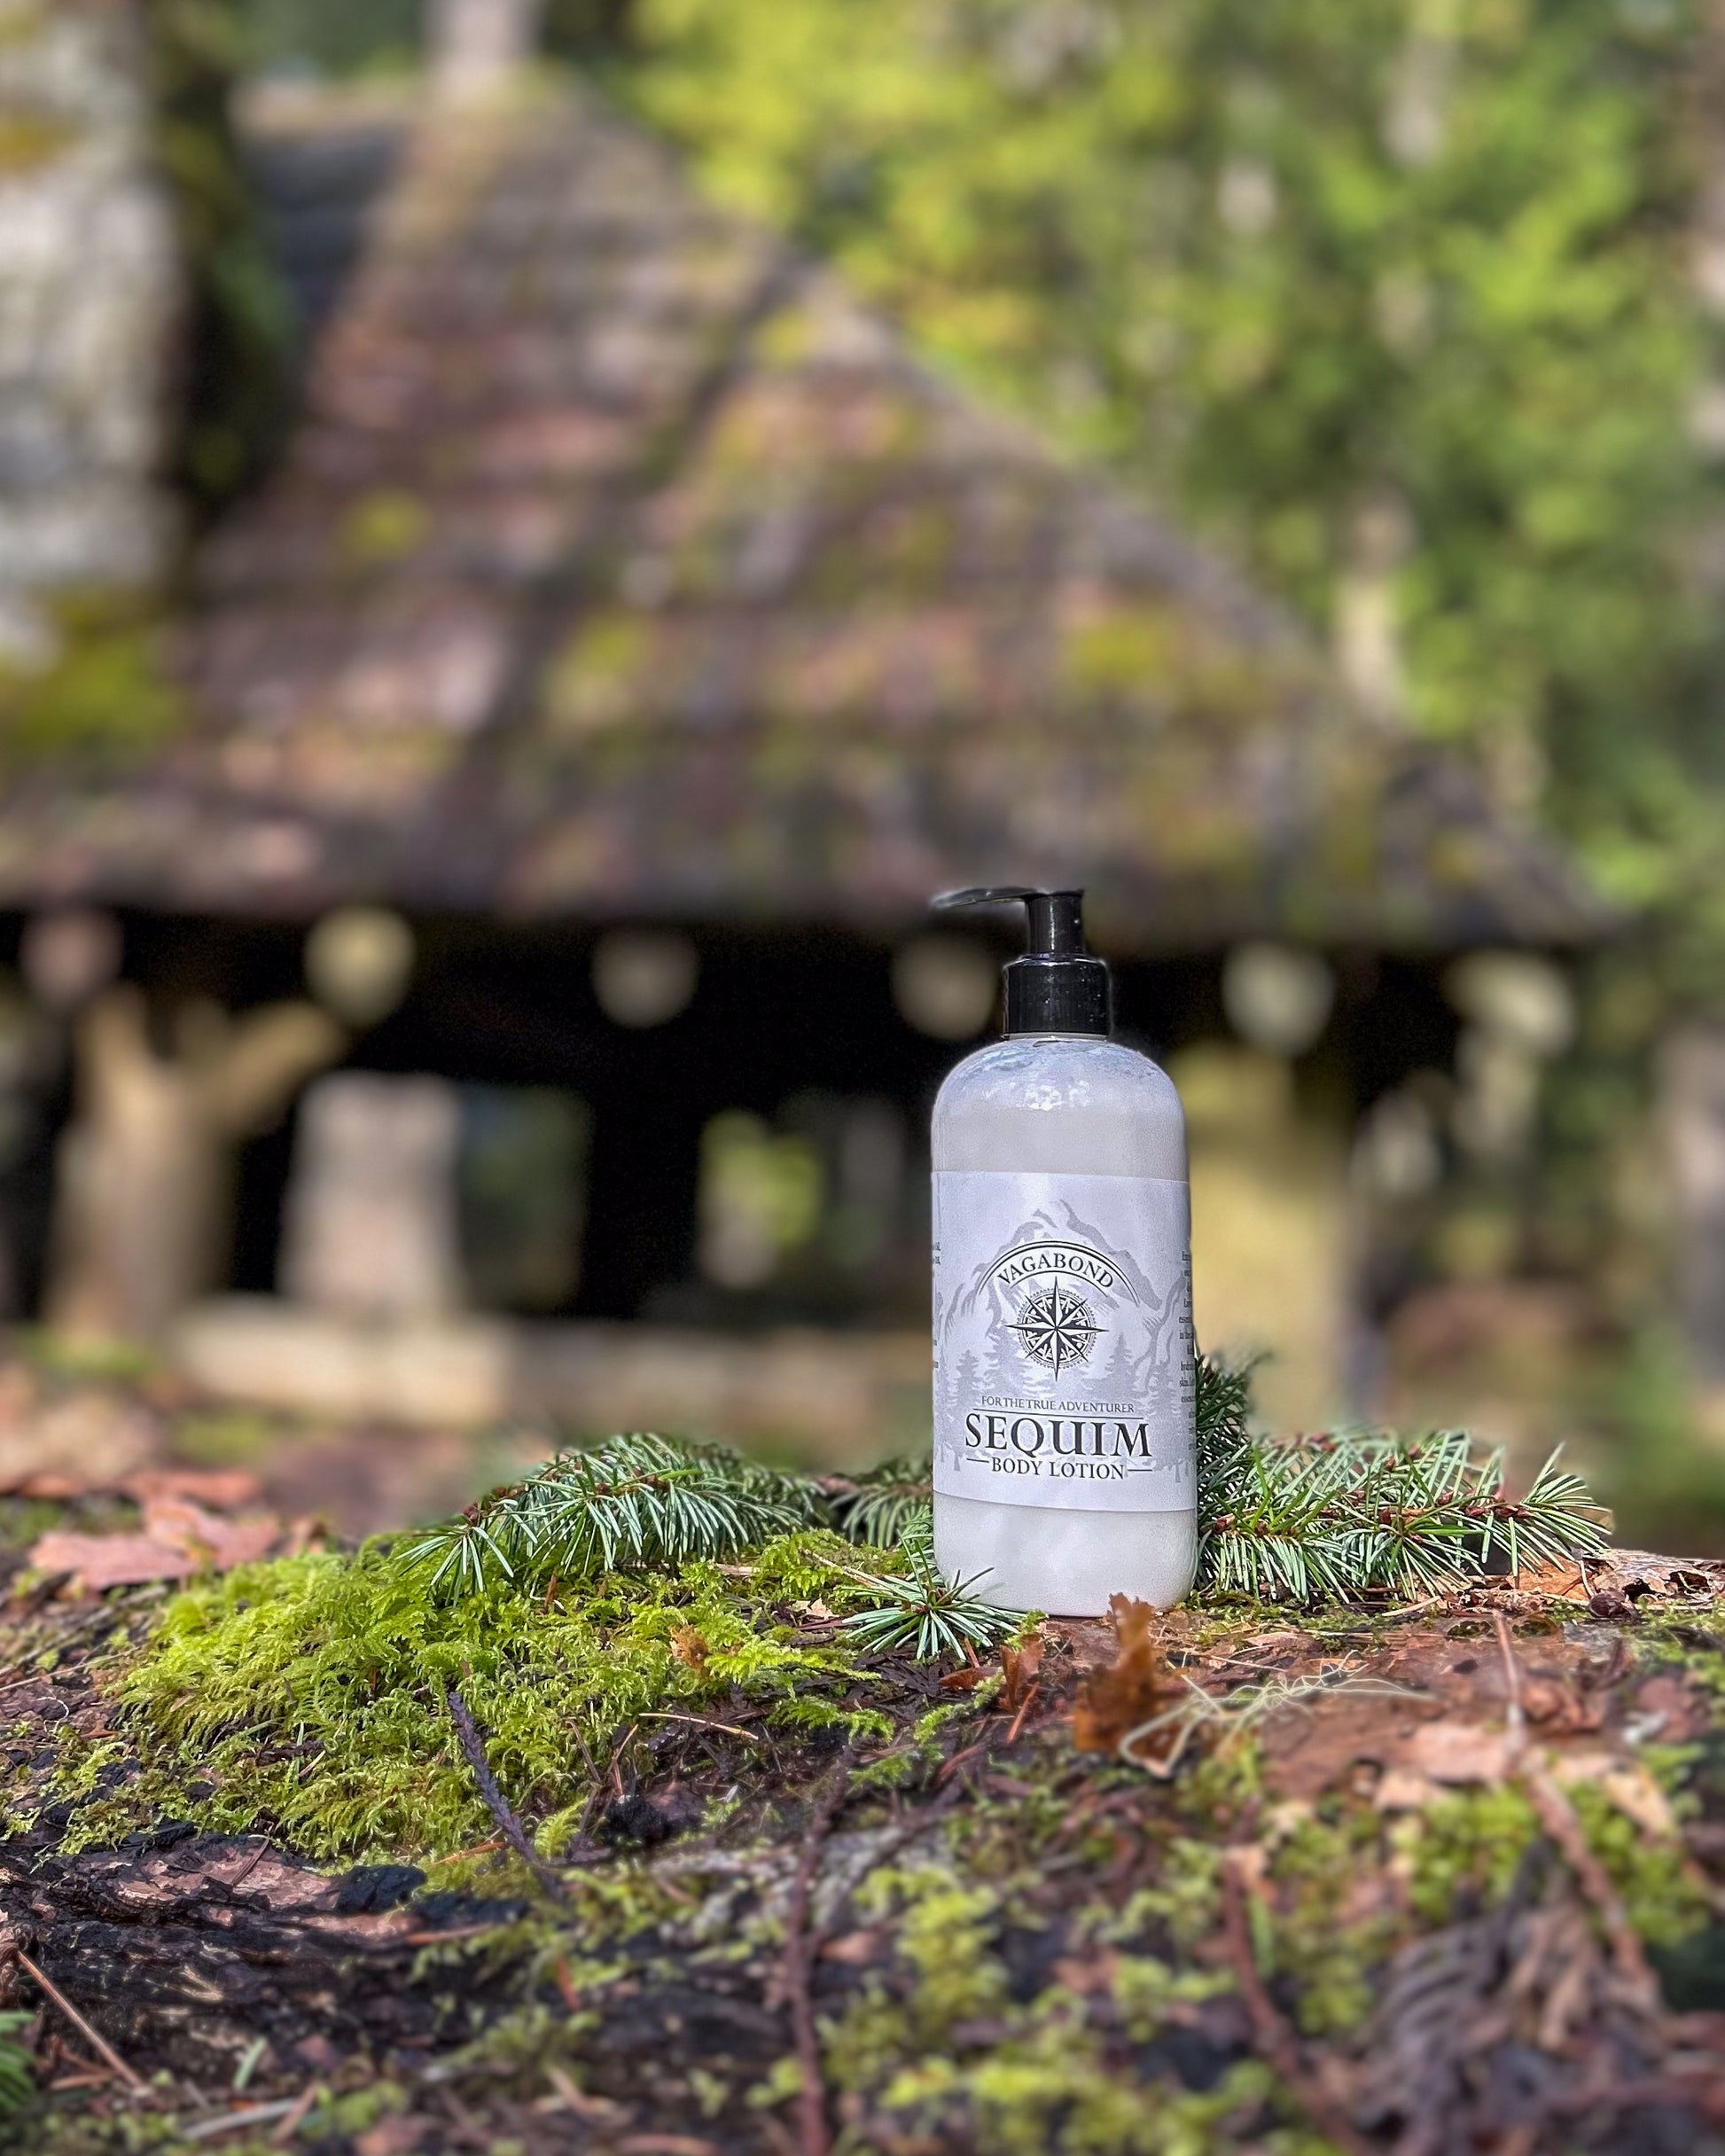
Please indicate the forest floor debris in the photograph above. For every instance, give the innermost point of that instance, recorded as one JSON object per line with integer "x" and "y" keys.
{"x": 677, "y": 1865}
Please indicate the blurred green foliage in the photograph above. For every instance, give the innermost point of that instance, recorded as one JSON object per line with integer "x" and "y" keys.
{"x": 240, "y": 319}
{"x": 1289, "y": 264}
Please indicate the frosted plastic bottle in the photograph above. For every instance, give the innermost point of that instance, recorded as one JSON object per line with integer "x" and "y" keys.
{"x": 1063, "y": 1469}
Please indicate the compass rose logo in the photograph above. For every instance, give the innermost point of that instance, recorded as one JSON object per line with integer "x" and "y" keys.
{"x": 1056, "y": 1328}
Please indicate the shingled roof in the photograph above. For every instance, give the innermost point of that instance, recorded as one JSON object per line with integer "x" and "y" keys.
{"x": 623, "y": 564}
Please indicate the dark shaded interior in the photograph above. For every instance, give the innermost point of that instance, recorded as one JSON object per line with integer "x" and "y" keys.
{"x": 790, "y": 1025}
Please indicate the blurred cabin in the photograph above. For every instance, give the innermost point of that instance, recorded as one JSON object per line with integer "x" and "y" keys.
{"x": 493, "y": 906}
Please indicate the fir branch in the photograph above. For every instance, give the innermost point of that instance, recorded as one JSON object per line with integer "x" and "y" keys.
{"x": 1357, "y": 1513}
{"x": 920, "y": 1611}
{"x": 1224, "y": 1419}
{"x": 636, "y": 1501}
{"x": 882, "y": 1506}
{"x": 1302, "y": 1519}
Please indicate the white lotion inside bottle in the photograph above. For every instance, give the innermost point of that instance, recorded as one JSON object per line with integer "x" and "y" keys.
{"x": 1062, "y": 1398}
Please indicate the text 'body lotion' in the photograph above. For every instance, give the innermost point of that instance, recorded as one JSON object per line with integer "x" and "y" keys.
{"x": 1064, "y": 1391}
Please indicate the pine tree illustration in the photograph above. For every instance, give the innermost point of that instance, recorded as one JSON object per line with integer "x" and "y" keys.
{"x": 1122, "y": 1376}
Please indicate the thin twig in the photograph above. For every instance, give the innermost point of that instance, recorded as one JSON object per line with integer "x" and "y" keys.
{"x": 293, "y": 2119}
{"x": 1028, "y": 1702}
{"x": 231, "y": 2122}
{"x": 1559, "y": 1816}
{"x": 99, "y": 2044}
{"x": 696, "y": 1721}
{"x": 495, "y": 1802}
{"x": 1628, "y": 2095}
{"x": 1271, "y": 2034}
{"x": 1515, "y": 1714}
{"x": 816, "y": 2140}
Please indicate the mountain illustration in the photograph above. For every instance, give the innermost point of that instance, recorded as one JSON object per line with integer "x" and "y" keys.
{"x": 1160, "y": 1326}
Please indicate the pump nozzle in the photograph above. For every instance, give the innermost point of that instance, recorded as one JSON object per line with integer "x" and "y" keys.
{"x": 1056, "y": 987}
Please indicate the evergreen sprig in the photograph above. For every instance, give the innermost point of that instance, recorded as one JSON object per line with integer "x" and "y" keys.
{"x": 882, "y": 1506}
{"x": 920, "y": 1612}
{"x": 636, "y": 1500}
{"x": 1353, "y": 1512}
{"x": 1299, "y": 1519}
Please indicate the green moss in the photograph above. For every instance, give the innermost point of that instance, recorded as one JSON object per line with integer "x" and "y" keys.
{"x": 1464, "y": 1853}
{"x": 308, "y": 1696}
{"x": 1051, "y": 2090}
{"x": 595, "y": 679}
{"x": 1693, "y": 1641}
{"x": 1329, "y": 1957}
{"x": 383, "y": 529}
{"x": 107, "y": 696}
{"x": 1119, "y": 653}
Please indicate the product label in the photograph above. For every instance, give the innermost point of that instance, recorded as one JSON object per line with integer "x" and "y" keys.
{"x": 1063, "y": 1341}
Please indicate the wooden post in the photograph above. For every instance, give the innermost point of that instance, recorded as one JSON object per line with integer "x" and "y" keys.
{"x": 370, "y": 1229}
{"x": 145, "y": 1170}
{"x": 1692, "y": 1114}
{"x": 474, "y": 45}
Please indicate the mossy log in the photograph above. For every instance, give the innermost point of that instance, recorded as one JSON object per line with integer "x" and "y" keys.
{"x": 1419, "y": 1880}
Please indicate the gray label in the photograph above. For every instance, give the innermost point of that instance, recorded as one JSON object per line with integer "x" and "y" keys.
{"x": 1063, "y": 1341}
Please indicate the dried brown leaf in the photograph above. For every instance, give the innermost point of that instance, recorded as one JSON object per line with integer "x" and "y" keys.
{"x": 1134, "y": 1690}
{"x": 1022, "y": 1666}
{"x": 224, "y": 1490}
{"x": 212, "y": 1541}
{"x": 1459, "y": 1752}
{"x": 178, "y": 1539}
{"x": 99, "y": 1561}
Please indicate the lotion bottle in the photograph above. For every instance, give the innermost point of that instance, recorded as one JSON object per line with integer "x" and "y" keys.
{"x": 1064, "y": 1387}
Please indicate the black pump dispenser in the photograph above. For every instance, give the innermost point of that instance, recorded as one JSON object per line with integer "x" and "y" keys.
{"x": 1057, "y": 986}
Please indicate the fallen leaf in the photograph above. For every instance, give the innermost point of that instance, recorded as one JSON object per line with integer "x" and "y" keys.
{"x": 1562, "y": 1580}
{"x": 1022, "y": 1665}
{"x": 396, "y": 2137}
{"x": 1666, "y": 1708}
{"x": 1133, "y": 1690}
{"x": 178, "y": 1539}
{"x": 1097, "y": 1974}
{"x": 1625, "y": 1782}
{"x": 100, "y": 1561}
{"x": 665, "y": 2144}
{"x": 219, "y": 1544}
{"x": 1552, "y": 1701}
{"x": 690, "y": 1647}
{"x": 1402, "y": 1790}
{"x": 224, "y": 1490}
{"x": 854, "y": 1949}
{"x": 1457, "y": 1751}
{"x": 966, "y": 1679}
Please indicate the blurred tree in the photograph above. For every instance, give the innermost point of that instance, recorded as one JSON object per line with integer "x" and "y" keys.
{"x": 239, "y": 321}
{"x": 369, "y": 37}
{"x": 1390, "y": 296}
